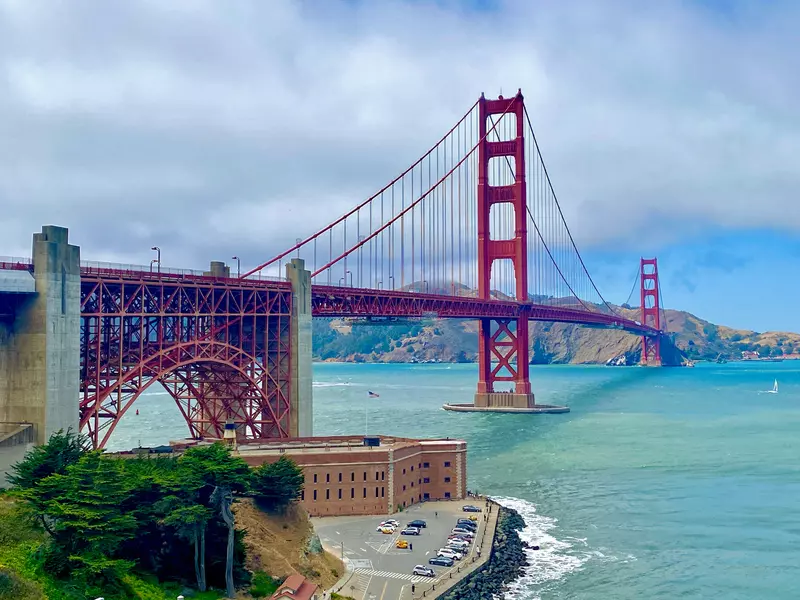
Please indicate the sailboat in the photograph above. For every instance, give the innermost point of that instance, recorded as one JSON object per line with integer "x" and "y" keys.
{"x": 774, "y": 389}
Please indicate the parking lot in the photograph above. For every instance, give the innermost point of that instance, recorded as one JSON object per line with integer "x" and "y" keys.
{"x": 381, "y": 570}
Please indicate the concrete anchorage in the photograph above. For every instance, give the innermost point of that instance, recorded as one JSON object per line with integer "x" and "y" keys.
{"x": 40, "y": 350}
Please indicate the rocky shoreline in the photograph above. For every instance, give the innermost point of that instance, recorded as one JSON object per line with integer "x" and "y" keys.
{"x": 507, "y": 562}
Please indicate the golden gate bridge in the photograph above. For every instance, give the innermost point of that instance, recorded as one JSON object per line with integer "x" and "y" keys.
{"x": 471, "y": 230}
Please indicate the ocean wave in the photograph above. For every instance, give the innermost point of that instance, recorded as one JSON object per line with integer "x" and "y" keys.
{"x": 551, "y": 562}
{"x": 324, "y": 384}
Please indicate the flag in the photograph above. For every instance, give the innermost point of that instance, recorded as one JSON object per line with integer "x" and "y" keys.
{"x": 373, "y": 395}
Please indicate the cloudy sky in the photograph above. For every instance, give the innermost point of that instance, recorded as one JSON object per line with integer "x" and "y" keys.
{"x": 214, "y": 128}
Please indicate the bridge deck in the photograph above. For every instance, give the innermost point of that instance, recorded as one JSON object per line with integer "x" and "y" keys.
{"x": 336, "y": 301}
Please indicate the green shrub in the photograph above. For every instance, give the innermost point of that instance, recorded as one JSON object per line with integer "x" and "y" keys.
{"x": 14, "y": 588}
{"x": 264, "y": 585}
{"x": 276, "y": 485}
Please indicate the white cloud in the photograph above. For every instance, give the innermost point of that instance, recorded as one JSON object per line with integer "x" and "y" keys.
{"x": 219, "y": 128}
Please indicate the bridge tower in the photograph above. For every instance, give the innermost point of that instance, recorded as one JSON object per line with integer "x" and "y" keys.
{"x": 503, "y": 353}
{"x": 651, "y": 310}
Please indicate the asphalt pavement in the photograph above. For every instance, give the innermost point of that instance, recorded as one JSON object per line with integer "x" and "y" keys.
{"x": 381, "y": 570}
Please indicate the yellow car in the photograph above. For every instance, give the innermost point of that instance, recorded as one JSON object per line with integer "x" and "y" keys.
{"x": 473, "y": 518}
{"x": 401, "y": 544}
{"x": 386, "y": 529}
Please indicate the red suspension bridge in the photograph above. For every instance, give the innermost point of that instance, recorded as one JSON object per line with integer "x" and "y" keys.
{"x": 471, "y": 230}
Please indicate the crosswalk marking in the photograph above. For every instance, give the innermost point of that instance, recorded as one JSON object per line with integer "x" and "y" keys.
{"x": 389, "y": 574}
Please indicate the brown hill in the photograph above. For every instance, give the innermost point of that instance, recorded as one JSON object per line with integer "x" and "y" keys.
{"x": 285, "y": 544}
{"x": 556, "y": 343}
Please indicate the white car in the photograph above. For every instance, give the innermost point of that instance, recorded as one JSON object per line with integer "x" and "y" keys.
{"x": 450, "y": 553}
{"x": 391, "y": 522}
{"x": 460, "y": 544}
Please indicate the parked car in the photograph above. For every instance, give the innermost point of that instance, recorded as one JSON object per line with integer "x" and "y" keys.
{"x": 441, "y": 561}
{"x": 469, "y": 522}
{"x": 424, "y": 571}
{"x": 392, "y": 522}
{"x": 418, "y": 523}
{"x": 459, "y": 538}
{"x": 458, "y": 549}
{"x": 410, "y": 531}
{"x": 465, "y": 532}
{"x": 458, "y": 543}
{"x": 449, "y": 553}
{"x": 385, "y": 529}
{"x": 401, "y": 544}
{"x": 470, "y": 508}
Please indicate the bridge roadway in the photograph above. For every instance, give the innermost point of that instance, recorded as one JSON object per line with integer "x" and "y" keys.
{"x": 342, "y": 301}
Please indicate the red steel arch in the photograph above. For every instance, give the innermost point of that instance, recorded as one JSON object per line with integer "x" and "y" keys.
{"x": 220, "y": 347}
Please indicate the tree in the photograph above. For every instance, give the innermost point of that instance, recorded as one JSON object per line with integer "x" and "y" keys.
{"x": 190, "y": 521}
{"x": 62, "y": 450}
{"x": 276, "y": 485}
{"x": 218, "y": 475}
{"x": 85, "y": 507}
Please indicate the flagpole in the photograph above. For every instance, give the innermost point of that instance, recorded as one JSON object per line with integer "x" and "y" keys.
{"x": 366, "y": 415}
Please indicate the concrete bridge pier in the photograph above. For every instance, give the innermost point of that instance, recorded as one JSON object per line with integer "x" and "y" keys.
{"x": 302, "y": 403}
{"x": 40, "y": 345}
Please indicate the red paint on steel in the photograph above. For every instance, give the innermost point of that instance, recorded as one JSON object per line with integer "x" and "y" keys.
{"x": 651, "y": 311}
{"x": 500, "y": 343}
{"x": 221, "y": 349}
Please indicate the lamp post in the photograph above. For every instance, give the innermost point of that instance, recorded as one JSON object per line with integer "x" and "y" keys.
{"x": 343, "y": 280}
{"x": 238, "y": 265}
{"x": 158, "y": 260}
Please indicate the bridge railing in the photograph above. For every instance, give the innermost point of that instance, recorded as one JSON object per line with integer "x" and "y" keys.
{"x": 130, "y": 270}
{"x": 15, "y": 263}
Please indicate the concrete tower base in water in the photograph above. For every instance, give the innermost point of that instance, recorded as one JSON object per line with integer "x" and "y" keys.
{"x": 508, "y": 402}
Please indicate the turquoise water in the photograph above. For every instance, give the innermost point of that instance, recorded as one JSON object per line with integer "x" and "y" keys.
{"x": 661, "y": 483}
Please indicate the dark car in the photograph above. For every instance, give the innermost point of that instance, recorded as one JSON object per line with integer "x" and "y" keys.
{"x": 470, "y": 508}
{"x": 467, "y": 523}
{"x": 419, "y": 523}
{"x": 441, "y": 561}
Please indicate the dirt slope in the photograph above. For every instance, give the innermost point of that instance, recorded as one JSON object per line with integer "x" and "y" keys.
{"x": 282, "y": 545}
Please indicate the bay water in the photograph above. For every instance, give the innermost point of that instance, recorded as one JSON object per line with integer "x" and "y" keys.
{"x": 660, "y": 483}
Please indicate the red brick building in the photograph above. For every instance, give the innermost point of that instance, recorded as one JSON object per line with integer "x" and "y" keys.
{"x": 345, "y": 476}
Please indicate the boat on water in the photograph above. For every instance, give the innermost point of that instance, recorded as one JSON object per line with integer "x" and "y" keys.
{"x": 774, "y": 389}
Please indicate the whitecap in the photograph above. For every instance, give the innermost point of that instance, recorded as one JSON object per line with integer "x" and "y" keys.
{"x": 551, "y": 562}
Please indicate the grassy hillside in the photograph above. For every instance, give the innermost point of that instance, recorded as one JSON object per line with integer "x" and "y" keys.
{"x": 23, "y": 578}
{"x": 556, "y": 343}
{"x": 276, "y": 545}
